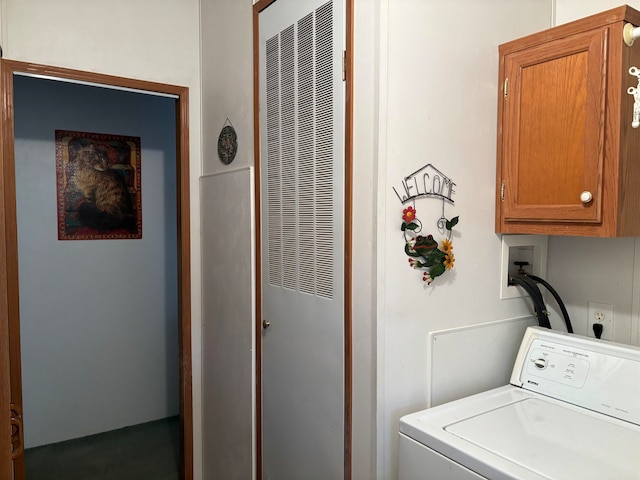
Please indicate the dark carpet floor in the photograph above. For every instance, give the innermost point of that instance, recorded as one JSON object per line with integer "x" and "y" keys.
{"x": 150, "y": 451}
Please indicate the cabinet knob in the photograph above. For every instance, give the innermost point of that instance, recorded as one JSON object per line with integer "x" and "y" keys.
{"x": 586, "y": 197}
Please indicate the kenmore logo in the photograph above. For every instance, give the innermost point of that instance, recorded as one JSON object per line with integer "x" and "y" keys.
{"x": 531, "y": 381}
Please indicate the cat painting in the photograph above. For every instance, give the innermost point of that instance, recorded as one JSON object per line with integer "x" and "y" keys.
{"x": 107, "y": 202}
{"x": 98, "y": 186}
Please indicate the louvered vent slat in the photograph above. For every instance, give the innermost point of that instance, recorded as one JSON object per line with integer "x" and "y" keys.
{"x": 274, "y": 224}
{"x": 324, "y": 151}
{"x": 300, "y": 149}
{"x": 288, "y": 159}
{"x": 306, "y": 153}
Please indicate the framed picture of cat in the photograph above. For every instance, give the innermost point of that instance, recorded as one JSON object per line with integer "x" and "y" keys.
{"x": 98, "y": 186}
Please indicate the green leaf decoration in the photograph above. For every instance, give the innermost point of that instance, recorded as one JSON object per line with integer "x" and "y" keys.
{"x": 403, "y": 227}
{"x": 452, "y": 223}
{"x": 412, "y": 226}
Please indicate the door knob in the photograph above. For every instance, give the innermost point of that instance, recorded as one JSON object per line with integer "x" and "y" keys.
{"x": 265, "y": 324}
{"x": 586, "y": 197}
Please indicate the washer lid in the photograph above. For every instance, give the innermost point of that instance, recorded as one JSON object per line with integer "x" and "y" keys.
{"x": 554, "y": 441}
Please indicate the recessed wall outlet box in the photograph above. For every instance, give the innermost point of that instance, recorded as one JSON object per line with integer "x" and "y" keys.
{"x": 601, "y": 313}
{"x": 529, "y": 249}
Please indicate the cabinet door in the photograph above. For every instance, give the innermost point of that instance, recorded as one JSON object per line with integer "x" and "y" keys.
{"x": 553, "y": 130}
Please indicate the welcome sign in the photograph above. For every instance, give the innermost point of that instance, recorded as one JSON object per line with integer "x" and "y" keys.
{"x": 428, "y": 181}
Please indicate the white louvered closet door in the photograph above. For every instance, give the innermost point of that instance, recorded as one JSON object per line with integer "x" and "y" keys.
{"x": 302, "y": 238}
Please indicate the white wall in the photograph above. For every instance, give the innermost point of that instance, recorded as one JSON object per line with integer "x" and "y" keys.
{"x": 593, "y": 269}
{"x": 156, "y": 41}
{"x": 369, "y": 38}
{"x": 227, "y": 225}
{"x": 569, "y": 10}
{"x": 99, "y": 319}
{"x": 436, "y": 95}
{"x": 228, "y": 345}
{"x": 227, "y": 79}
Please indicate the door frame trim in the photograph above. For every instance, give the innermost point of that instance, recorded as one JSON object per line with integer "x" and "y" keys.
{"x": 258, "y": 7}
{"x": 9, "y": 294}
{"x": 6, "y": 469}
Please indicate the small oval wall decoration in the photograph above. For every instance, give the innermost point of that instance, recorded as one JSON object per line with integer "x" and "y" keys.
{"x": 227, "y": 144}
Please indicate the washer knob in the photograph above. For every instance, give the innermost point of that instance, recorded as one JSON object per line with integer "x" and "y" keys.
{"x": 586, "y": 197}
{"x": 540, "y": 363}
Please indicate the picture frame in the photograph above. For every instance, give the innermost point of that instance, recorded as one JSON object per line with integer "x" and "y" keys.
{"x": 98, "y": 180}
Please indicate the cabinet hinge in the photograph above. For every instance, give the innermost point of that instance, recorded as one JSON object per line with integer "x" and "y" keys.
{"x": 502, "y": 192}
{"x": 505, "y": 87}
{"x": 344, "y": 65}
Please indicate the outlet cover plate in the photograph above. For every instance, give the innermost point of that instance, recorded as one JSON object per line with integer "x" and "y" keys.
{"x": 600, "y": 313}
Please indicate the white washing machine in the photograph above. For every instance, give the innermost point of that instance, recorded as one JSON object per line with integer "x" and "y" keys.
{"x": 571, "y": 412}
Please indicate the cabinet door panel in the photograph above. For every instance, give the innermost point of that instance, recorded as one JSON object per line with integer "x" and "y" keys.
{"x": 554, "y": 129}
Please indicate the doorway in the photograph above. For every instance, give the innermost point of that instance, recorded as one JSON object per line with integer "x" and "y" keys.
{"x": 10, "y": 356}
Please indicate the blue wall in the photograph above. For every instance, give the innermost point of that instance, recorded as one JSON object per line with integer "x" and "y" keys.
{"x": 99, "y": 318}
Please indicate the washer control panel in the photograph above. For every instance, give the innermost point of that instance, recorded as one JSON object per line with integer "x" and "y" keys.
{"x": 594, "y": 374}
{"x": 558, "y": 365}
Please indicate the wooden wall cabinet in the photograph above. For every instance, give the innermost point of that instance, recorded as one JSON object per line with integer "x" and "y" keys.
{"x": 568, "y": 160}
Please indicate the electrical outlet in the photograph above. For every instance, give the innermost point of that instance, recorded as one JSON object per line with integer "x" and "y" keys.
{"x": 601, "y": 313}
